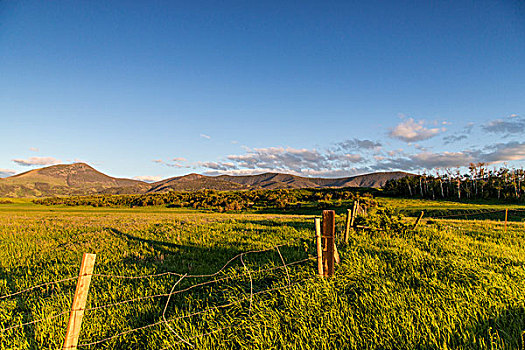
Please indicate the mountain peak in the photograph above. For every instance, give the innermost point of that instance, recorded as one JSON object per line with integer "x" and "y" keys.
{"x": 67, "y": 179}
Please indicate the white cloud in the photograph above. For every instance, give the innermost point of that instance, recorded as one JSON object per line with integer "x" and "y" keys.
{"x": 411, "y": 131}
{"x": 425, "y": 160}
{"x": 179, "y": 159}
{"x": 204, "y": 136}
{"x": 37, "y": 161}
{"x": 33, "y": 149}
{"x": 148, "y": 178}
{"x": 158, "y": 161}
{"x": 6, "y": 172}
{"x": 287, "y": 160}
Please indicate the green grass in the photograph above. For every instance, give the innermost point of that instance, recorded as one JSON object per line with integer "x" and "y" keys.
{"x": 453, "y": 284}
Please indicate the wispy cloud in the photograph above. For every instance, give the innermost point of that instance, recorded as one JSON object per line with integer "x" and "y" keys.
{"x": 498, "y": 153}
{"x": 514, "y": 124}
{"x": 6, "y": 172}
{"x": 357, "y": 144}
{"x": 37, "y": 161}
{"x": 173, "y": 163}
{"x": 410, "y": 130}
{"x": 204, "y": 136}
{"x": 33, "y": 149}
{"x": 289, "y": 160}
{"x": 454, "y": 138}
{"x": 425, "y": 160}
{"x": 148, "y": 178}
{"x": 503, "y": 152}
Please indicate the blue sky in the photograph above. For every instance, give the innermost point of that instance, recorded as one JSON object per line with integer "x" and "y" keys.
{"x": 318, "y": 88}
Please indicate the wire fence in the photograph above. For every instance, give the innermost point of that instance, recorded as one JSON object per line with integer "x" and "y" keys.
{"x": 219, "y": 276}
{"x": 177, "y": 288}
{"x": 477, "y": 213}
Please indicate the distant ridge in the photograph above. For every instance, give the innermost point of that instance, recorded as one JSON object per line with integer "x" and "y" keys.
{"x": 82, "y": 179}
{"x": 278, "y": 180}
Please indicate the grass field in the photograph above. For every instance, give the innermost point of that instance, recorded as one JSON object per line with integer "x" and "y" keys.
{"x": 454, "y": 284}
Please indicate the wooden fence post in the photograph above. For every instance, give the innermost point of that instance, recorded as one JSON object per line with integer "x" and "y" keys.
{"x": 337, "y": 258}
{"x": 319, "y": 246}
{"x": 347, "y": 226}
{"x": 354, "y": 213}
{"x": 418, "y": 220}
{"x": 329, "y": 242}
{"x": 79, "y": 301}
{"x": 506, "y": 215}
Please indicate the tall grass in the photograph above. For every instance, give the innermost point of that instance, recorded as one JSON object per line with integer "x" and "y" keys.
{"x": 452, "y": 284}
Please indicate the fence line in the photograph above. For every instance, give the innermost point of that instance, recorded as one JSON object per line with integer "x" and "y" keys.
{"x": 230, "y": 326}
{"x": 192, "y": 314}
{"x": 151, "y": 296}
{"x": 144, "y": 276}
{"x": 37, "y": 286}
{"x": 464, "y": 214}
{"x": 165, "y": 321}
{"x": 34, "y": 321}
{"x": 429, "y": 215}
{"x": 166, "y": 308}
{"x": 193, "y": 286}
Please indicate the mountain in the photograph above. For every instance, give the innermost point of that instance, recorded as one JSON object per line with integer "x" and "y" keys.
{"x": 271, "y": 181}
{"x": 195, "y": 182}
{"x": 65, "y": 180}
{"x": 81, "y": 179}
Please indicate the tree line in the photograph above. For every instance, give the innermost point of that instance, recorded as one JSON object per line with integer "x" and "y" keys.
{"x": 479, "y": 182}
{"x": 220, "y": 201}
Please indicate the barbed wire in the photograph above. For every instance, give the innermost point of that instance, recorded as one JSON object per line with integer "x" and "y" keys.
{"x": 200, "y": 276}
{"x": 464, "y": 214}
{"x": 172, "y": 292}
{"x": 284, "y": 265}
{"x": 166, "y": 308}
{"x": 194, "y": 286}
{"x": 143, "y": 276}
{"x": 251, "y": 284}
{"x": 237, "y": 326}
{"x": 34, "y": 321}
{"x": 37, "y": 286}
{"x": 429, "y": 216}
{"x": 191, "y": 315}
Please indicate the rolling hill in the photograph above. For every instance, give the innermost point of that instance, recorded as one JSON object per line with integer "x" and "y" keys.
{"x": 277, "y": 180}
{"x": 65, "y": 180}
{"x": 82, "y": 179}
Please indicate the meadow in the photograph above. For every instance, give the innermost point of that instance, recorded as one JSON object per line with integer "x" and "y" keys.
{"x": 452, "y": 283}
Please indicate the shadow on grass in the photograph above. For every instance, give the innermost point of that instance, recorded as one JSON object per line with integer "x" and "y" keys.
{"x": 22, "y": 308}
{"x": 506, "y": 330}
{"x": 196, "y": 260}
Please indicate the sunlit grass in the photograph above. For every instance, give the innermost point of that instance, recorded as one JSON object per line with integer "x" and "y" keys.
{"x": 452, "y": 284}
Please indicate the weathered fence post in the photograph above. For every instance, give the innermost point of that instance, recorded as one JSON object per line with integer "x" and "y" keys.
{"x": 337, "y": 258}
{"x": 79, "y": 301}
{"x": 319, "y": 243}
{"x": 354, "y": 213}
{"x": 418, "y": 220}
{"x": 506, "y": 216}
{"x": 347, "y": 226}
{"x": 329, "y": 242}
